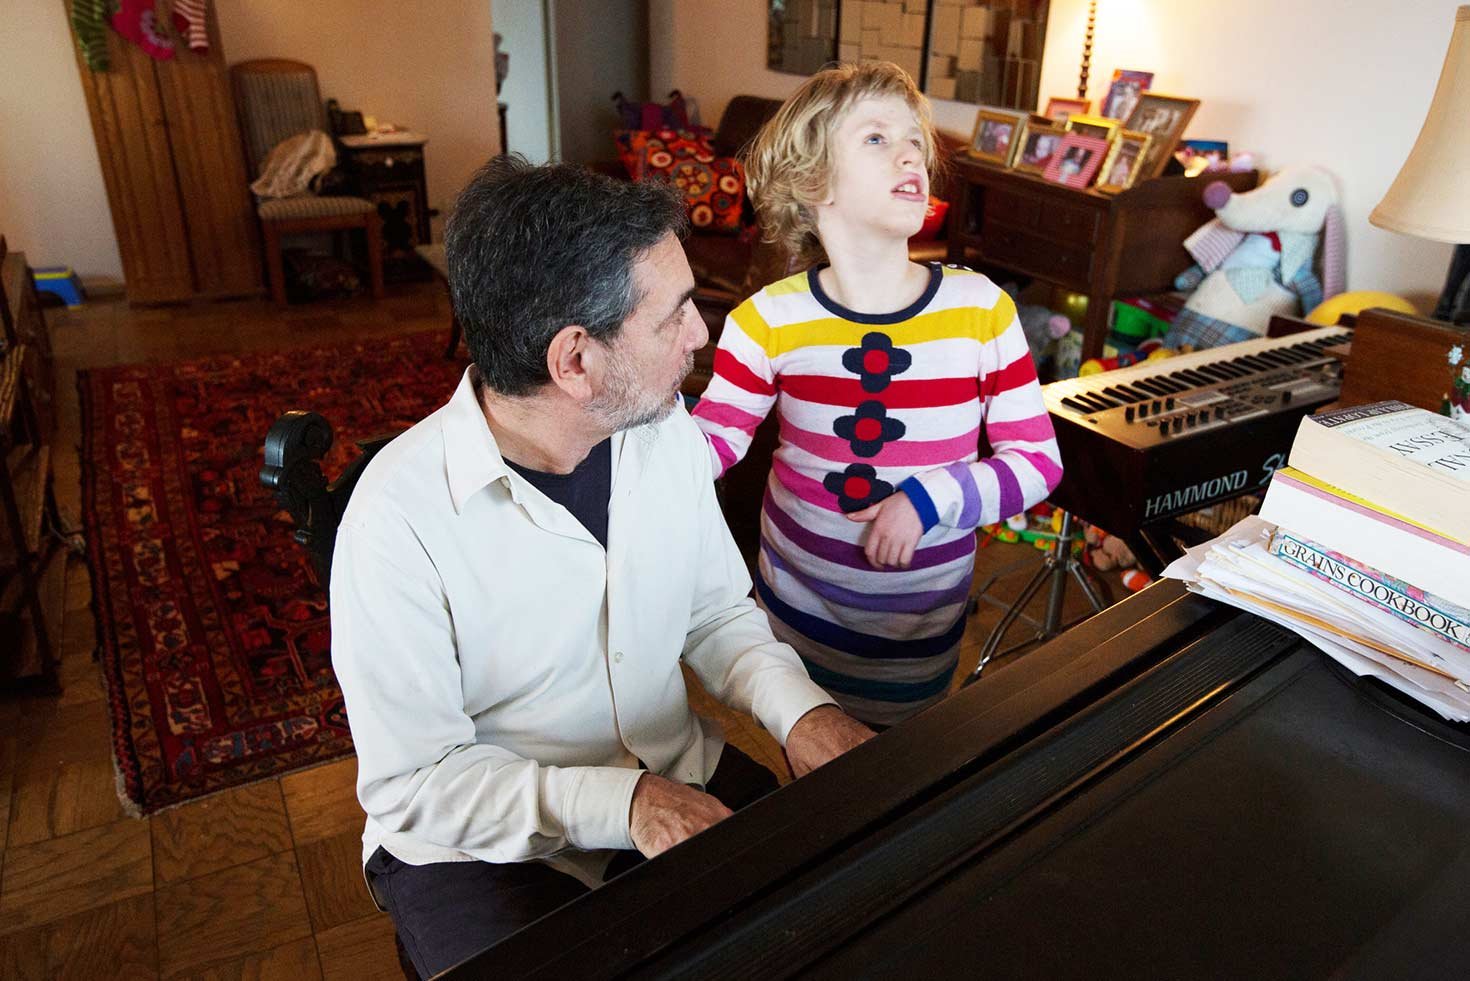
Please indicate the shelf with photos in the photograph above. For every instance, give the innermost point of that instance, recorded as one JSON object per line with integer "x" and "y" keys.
{"x": 1069, "y": 145}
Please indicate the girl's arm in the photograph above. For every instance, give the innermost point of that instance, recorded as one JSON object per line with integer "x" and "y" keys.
{"x": 741, "y": 391}
{"x": 1025, "y": 466}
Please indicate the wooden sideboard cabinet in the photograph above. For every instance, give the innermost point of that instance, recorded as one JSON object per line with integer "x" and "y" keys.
{"x": 1102, "y": 245}
{"x": 389, "y": 171}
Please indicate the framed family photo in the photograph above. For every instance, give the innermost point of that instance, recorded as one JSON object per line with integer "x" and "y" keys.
{"x": 1099, "y": 126}
{"x": 1120, "y": 169}
{"x": 997, "y": 133}
{"x": 1059, "y": 108}
{"x": 1039, "y": 142}
{"x": 1164, "y": 118}
{"x": 1076, "y": 160}
{"x": 1201, "y": 156}
{"x": 1123, "y": 94}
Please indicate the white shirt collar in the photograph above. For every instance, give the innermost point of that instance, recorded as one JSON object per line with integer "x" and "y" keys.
{"x": 472, "y": 461}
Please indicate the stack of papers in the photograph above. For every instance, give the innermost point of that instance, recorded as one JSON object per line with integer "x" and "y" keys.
{"x": 1238, "y": 569}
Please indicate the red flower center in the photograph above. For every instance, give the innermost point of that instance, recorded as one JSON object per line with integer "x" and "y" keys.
{"x": 856, "y": 488}
{"x": 868, "y": 429}
{"x": 875, "y": 362}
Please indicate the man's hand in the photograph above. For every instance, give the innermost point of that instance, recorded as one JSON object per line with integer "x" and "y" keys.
{"x": 895, "y": 531}
{"x": 664, "y": 813}
{"x": 824, "y": 733}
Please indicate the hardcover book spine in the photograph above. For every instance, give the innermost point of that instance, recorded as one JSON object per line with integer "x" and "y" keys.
{"x": 1410, "y": 604}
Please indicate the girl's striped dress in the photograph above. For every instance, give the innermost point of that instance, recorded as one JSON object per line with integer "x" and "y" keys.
{"x": 869, "y": 404}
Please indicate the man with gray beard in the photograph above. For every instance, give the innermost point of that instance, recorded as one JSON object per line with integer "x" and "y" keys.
{"x": 518, "y": 578}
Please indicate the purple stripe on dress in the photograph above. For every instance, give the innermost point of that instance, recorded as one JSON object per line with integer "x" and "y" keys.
{"x": 851, "y": 555}
{"x": 970, "y": 494}
{"x": 922, "y": 602}
{"x": 1012, "y": 501}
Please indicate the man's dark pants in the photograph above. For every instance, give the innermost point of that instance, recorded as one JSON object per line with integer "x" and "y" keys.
{"x": 450, "y": 910}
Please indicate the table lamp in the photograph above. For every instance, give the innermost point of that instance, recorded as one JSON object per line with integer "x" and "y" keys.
{"x": 1430, "y": 198}
{"x": 1087, "y": 50}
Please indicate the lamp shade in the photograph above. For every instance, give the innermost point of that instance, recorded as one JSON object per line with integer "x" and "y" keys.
{"x": 1430, "y": 198}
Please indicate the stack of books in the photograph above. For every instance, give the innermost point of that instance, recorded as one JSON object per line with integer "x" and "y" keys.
{"x": 1363, "y": 547}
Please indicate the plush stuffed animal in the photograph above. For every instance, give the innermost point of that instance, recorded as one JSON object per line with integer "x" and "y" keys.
{"x": 1042, "y": 327}
{"x": 1069, "y": 355}
{"x": 1255, "y": 259}
{"x": 1105, "y": 552}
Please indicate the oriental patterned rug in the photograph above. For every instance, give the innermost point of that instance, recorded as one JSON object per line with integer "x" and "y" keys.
{"x": 214, "y": 633}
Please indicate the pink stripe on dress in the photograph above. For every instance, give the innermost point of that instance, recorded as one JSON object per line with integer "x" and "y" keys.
{"x": 899, "y": 453}
{"x": 805, "y": 488}
{"x": 1037, "y": 429}
{"x": 725, "y": 414}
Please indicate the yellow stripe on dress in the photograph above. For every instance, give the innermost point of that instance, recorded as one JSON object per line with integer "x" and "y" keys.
{"x": 962, "y": 323}
{"x": 796, "y": 283}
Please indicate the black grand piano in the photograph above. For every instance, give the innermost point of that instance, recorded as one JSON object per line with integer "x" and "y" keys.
{"x": 1174, "y": 789}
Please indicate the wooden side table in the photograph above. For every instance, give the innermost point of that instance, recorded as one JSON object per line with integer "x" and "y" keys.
{"x": 389, "y": 171}
{"x": 1102, "y": 245}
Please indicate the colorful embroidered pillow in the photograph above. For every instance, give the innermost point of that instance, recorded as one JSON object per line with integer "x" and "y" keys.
{"x": 630, "y": 143}
{"x": 713, "y": 187}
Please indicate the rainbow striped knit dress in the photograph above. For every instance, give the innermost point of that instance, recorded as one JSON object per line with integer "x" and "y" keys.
{"x": 869, "y": 404}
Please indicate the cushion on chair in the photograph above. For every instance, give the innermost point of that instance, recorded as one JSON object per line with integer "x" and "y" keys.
{"x": 311, "y": 206}
{"x": 275, "y": 105}
{"x": 713, "y": 187}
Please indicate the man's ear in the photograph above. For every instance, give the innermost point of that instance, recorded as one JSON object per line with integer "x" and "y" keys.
{"x": 570, "y": 359}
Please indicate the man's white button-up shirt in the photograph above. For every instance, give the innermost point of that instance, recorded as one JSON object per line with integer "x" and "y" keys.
{"x": 504, "y": 675}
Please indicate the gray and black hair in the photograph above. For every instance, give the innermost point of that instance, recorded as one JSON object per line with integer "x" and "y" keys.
{"x": 532, "y": 249}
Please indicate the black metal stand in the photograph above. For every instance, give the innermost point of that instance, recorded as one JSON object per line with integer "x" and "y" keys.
{"x": 1058, "y": 564}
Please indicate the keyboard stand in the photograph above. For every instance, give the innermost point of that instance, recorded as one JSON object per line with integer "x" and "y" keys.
{"x": 1058, "y": 564}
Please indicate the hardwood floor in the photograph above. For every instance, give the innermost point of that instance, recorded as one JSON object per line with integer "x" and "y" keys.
{"x": 262, "y": 881}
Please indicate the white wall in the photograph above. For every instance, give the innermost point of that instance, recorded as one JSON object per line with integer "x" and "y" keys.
{"x": 521, "y": 25}
{"x": 53, "y": 205}
{"x": 601, "y": 48}
{"x": 428, "y": 65}
{"x": 1344, "y": 83}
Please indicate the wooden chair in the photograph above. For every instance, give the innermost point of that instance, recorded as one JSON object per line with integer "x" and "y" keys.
{"x": 31, "y": 535}
{"x": 276, "y": 98}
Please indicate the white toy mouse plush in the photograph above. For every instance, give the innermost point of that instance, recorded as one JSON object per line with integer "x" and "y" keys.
{"x": 1255, "y": 259}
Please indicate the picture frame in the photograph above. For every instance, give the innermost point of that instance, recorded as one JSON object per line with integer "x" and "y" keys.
{"x": 1060, "y": 108}
{"x": 1087, "y": 125}
{"x": 1123, "y": 94}
{"x": 997, "y": 133}
{"x": 1076, "y": 160}
{"x": 1038, "y": 144}
{"x": 1163, "y": 117}
{"x": 1125, "y": 157}
{"x": 1202, "y": 156}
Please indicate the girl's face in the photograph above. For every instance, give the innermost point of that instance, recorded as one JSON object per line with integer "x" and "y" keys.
{"x": 879, "y": 184}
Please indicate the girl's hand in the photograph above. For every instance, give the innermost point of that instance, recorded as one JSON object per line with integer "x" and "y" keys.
{"x": 895, "y": 532}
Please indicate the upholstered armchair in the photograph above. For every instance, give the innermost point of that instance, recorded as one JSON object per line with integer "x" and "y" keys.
{"x": 276, "y": 98}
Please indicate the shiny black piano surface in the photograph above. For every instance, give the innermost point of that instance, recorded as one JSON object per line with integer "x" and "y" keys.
{"x": 1172, "y": 790}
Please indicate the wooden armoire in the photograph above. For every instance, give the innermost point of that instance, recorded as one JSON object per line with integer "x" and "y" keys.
{"x": 174, "y": 167}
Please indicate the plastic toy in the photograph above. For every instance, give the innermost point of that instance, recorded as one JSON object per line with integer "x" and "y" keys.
{"x": 1135, "y": 579}
{"x": 62, "y": 282}
{"x": 1329, "y": 312}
